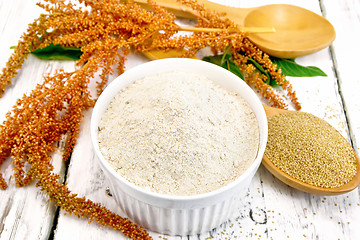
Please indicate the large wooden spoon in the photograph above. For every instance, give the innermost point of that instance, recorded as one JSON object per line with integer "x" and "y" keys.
{"x": 299, "y": 31}
{"x": 295, "y": 183}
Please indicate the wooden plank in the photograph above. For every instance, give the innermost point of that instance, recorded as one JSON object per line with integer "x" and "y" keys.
{"x": 345, "y": 16}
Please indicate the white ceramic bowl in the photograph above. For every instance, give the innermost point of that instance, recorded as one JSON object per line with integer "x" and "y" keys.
{"x": 179, "y": 215}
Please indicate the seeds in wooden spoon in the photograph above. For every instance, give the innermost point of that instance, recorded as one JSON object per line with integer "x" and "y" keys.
{"x": 310, "y": 150}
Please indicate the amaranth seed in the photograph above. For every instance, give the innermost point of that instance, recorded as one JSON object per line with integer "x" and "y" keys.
{"x": 310, "y": 150}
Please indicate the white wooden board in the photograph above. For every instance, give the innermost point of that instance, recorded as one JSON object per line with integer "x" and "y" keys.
{"x": 271, "y": 210}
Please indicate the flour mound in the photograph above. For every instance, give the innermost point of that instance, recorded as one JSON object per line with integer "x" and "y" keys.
{"x": 178, "y": 133}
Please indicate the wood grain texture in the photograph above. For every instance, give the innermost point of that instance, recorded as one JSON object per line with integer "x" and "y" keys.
{"x": 345, "y": 16}
{"x": 271, "y": 210}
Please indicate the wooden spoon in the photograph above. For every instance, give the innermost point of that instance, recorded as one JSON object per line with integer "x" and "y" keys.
{"x": 299, "y": 31}
{"x": 295, "y": 183}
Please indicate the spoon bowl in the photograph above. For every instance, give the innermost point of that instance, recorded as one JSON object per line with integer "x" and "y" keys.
{"x": 302, "y": 186}
{"x": 299, "y": 32}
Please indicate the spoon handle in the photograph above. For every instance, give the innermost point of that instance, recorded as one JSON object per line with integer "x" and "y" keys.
{"x": 237, "y": 15}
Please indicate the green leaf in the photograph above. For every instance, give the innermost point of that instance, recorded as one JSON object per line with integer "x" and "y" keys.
{"x": 262, "y": 70}
{"x": 232, "y": 67}
{"x": 217, "y": 59}
{"x": 226, "y": 55}
{"x": 225, "y": 62}
{"x": 58, "y": 52}
{"x": 290, "y": 68}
